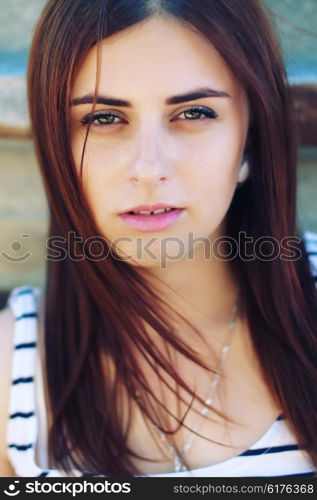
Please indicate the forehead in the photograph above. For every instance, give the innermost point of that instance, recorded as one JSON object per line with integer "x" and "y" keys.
{"x": 155, "y": 57}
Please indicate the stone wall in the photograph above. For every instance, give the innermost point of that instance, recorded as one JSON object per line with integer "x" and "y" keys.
{"x": 23, "y": 216}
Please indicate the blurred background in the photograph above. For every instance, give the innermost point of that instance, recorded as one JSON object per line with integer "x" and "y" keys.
{"x": 23, "y": 210}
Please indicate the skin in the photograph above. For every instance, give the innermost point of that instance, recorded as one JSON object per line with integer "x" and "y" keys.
{"x": 154, "y": 152}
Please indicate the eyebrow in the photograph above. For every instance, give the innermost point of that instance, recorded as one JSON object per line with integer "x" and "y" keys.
{"x": 177, "y": 99}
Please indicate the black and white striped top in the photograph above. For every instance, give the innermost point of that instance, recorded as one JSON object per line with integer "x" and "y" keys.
{"x": 276, "y": 453}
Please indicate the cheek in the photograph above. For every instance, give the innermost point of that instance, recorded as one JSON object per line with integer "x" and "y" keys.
{"x": 90, "y": 179}
{"x": 213, "y": 160}
{"x": 98, "y": 169}
{"x": 213, "y": 190}
{"x": 213, "y": 165}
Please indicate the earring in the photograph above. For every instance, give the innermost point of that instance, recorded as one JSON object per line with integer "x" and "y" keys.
{"x": 243, "y": 172}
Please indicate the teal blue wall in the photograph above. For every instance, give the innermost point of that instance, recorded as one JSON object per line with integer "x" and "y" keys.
{"x": 296, "y": 23}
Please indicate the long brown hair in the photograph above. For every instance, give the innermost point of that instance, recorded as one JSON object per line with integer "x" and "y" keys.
{"x": 84, "y": 317}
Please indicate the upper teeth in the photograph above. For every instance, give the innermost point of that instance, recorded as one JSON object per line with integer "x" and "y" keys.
{"x": 160, "y": 211}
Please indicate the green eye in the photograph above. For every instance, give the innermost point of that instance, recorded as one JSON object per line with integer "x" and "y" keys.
{"x": 196, "y": 112}
{"x": 100, "y": 119}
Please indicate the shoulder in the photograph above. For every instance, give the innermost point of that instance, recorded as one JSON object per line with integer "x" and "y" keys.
{"x": 6, "y": 333}
{"x": 310, "y": 240}
{"x": 22, "y": 300}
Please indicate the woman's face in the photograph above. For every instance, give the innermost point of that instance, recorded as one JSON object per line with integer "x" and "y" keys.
{"x": 155, "y": 148}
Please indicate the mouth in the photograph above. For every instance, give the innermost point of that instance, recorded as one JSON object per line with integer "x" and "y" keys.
{"x": 149, "y": 213}
{"x": 154, "y": 209}
{"x": 155, "y": 220}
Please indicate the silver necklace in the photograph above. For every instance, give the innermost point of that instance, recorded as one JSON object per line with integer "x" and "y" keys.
{"x": 179, "y": 464}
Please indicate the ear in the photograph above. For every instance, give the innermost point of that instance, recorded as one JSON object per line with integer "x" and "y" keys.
{"x": 244, "y": 171}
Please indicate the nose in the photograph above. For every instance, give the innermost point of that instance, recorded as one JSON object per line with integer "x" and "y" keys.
{"x": 151, "y": 164}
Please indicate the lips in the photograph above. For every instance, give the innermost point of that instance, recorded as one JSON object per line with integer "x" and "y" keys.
{"x": 152, "y": 223}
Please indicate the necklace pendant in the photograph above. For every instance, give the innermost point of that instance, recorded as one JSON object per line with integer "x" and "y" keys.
{"x": 178, "y": 464}
{"x": 204, "y": 410}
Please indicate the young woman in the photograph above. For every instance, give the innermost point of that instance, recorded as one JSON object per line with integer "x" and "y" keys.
{"x": 180, "y": 342}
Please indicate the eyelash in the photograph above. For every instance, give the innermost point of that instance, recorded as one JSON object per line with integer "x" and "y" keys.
{"x": 209, "y": 114}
